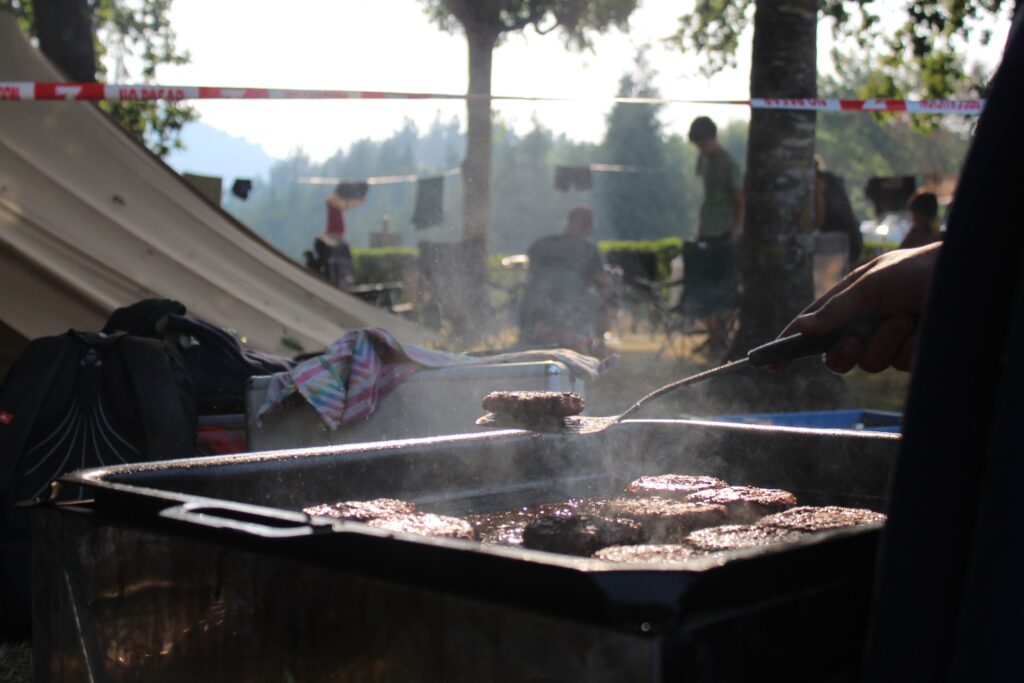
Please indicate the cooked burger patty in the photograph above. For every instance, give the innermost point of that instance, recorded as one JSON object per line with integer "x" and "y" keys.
{"x": 363, "y": 510}
{"x": 438, "y": 526}
{"x": 809, "y": 518}
{"x": 733, "y": 536}
{"x": 579, "y": 534}
{"x": 648, "y": 553}
{"x": 665, "y": 520}
{"x": 506, "y": 527}
{"x": 673, "y": 485}
{"x": 746, "y": 503}
{"x": 534, "y": 403}
{"x": 501, "y": 528}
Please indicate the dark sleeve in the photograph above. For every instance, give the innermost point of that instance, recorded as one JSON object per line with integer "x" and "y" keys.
{"x": 595, "y": 266}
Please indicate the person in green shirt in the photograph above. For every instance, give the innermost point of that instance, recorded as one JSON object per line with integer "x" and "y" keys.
{"x": 710, "y": 262}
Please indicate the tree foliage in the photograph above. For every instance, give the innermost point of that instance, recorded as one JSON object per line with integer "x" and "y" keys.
{"x": 290, "y": 213}
{"x": 485, "y": 23}
{"x": 644, "y": 200}
{"x": 577, "y": 19}
{"x": 130, "y": 39}
{"x": 920, "y": 57}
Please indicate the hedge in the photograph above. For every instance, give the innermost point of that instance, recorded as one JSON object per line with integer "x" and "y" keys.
{"x": 664, "y": 251}
{"x": 383, "y": 264}
{"x": 388, "y": 264}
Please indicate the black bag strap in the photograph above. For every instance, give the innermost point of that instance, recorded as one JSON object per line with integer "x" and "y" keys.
{"x": 170, "y": 430}
{"x": 27, "y": 384}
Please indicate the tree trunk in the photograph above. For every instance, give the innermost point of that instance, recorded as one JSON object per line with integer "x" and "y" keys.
{"x": 476, "y": 171}
{"x": 65, "y": 32}
{"x": 467, "y": 304}
{"x": 775, "y": 268}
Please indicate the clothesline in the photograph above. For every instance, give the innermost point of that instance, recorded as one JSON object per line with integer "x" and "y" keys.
{"x": 397, "y": 179}
{"x": 376, "y": 180}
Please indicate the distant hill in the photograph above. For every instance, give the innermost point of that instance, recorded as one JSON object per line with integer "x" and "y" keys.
{"x": 211, "y": 151}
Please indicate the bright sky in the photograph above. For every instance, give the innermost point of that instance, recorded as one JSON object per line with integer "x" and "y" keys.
{"x": 390, "y": 45}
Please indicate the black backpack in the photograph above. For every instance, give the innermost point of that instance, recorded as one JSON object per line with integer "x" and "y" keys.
{"x": 219, "y": 364}
{"x": 81, "y": 400}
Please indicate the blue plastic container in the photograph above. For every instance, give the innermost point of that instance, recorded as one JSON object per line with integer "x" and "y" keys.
{"x": 872, "y": 420}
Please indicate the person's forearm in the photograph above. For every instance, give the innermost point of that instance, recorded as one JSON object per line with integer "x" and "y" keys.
{"x": 893, "y": 286}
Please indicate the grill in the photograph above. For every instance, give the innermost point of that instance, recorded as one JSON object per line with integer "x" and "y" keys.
{"x": 203, "y": 569}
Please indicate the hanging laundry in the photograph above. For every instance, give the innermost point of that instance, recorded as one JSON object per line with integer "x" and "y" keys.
{"x": 351, "y": 194}
{"x": 429, "y": 202}
{"x": 573, "y": 178}
{"x": 335, "y": 217}
{"x": 241, "y": 188}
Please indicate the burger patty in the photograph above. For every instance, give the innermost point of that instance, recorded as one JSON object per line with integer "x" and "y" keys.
{"x": 425, "y": 524}
{"x": 665, "y": 520}
{"x": 506, "y": 527}
{"x": 579, "y": 534}
{"x": 746, "y": 503}
{"x": 733, "y": 536}
{"x": 648, "y": 553}
{"x": 809, "y": 518}
{"x": 534, "y": 403}
{"x": 363, "y": 510}
{"x": 673, "y": 485}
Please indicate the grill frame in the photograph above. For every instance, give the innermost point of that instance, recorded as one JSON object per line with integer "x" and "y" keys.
{"x": 658, "y": 611}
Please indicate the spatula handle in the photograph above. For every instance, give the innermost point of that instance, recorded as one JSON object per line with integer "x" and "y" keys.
{"x": 797, "y": 346}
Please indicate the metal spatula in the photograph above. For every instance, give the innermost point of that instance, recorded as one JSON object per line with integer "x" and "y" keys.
{"x": 776, "y": 352}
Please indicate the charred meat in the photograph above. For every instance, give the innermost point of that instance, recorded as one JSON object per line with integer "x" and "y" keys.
{"x": 677, "y": 486}
{"x": 648, "y": 553}
{"x": 746, "y": 503}
{"x": 363, "y": 510}
{"x": 506, "y": 527}
{"x": 579, "y": 534}
{"x": 809, "y": 518}
{"x": 665, "y": 520}
{"x": 425, "y": 524}
{"x": 534, "y": 403}
{"x": 734, "y": 536}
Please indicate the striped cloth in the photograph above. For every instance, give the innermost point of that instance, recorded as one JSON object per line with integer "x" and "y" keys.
{"x": 346, "y": 382}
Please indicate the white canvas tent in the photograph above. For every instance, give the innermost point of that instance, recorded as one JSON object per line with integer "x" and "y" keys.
{"x": 90, "y": 221}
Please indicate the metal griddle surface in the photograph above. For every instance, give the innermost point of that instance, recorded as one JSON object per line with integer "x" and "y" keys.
{"x": 253, "y": 499}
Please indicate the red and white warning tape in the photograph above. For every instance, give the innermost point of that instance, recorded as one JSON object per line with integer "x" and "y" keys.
{"x": 966, "y": 107}
{"x": 95, "y": 92}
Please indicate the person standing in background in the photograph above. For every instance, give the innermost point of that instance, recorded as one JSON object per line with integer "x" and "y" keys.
{"x": 833, "y": 211}
{"x": 924, "y": 214}
{"x": 564, "y": 303}
{"x": 711, "y": 263}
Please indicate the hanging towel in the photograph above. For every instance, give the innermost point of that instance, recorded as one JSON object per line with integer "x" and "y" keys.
{"x": 573, "y": 178}
{"x": 349, "y": 195}
{"x": 429, "y": 202}
{"x": 345, "y": 384}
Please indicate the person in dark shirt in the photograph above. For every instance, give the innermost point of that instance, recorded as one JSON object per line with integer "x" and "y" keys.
{"x": 833, "y": 211}
{"x": 567, "y": 289}
{"x": 924, "y": 212}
